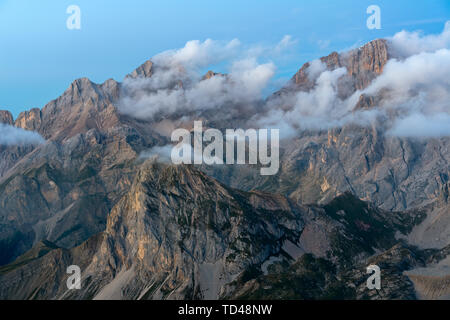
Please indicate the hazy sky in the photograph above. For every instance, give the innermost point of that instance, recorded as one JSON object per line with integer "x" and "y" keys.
{"x": 40, "y": 57}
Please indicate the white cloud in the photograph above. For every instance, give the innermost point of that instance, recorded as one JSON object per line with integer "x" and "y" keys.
{"x": 420, "y": 125}
{"x": 197, "y": 54}
{"x": 177, "y": 83}
{"x": 10, "y": 135}
{"x": 316, "y": 67}
{"x": 408, "y": 43}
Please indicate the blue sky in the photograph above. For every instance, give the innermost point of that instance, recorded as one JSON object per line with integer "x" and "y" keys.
{"x": 40, "y": 57}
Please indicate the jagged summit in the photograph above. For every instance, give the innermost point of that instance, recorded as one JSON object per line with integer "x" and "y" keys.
{"x": 84, "y": 88}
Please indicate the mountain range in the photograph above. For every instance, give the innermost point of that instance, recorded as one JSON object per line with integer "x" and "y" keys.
{"x": 92, "y": 193}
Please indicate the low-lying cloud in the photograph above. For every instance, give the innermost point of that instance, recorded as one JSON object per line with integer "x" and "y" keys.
{"x": 318, "y": 109}
{"x": 413, "y": 90}
{"x": 422, "y": 126}
{"x": 10, "y": 136}
{"x": 178, "y": 81}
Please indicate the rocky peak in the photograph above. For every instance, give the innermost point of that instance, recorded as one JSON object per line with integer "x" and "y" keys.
{"x": 145, "y": 71}
{"x": 178, "y": 224}
{"x": 84, "y": 90}
{"x": 83, "y": 106}
{"x": 362, "y": 64}
{"x": 6, "y": 117}
{"x": 81, "y": 89}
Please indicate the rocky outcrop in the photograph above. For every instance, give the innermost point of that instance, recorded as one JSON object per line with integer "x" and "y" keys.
{"x": 173, "y": 228}
{"x": 29, "y": 120}
{"x": 44, "y": 275}
{"x": 6, "y": 117}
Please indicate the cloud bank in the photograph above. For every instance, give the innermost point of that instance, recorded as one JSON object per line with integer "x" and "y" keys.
{"x": 10, "y": 136}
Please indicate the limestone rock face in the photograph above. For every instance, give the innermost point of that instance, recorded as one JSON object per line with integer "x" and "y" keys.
{"x": 189, "y": 235}
{"x": 29, "y": 120}
{"x": 362, "y": 64}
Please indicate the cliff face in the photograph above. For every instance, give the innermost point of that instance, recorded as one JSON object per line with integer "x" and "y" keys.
{"x": 29, "y": 120}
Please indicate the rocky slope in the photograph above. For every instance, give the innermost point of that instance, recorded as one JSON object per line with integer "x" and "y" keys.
{"x": 63, "y": 189}
{"x": 180, "y": 234}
